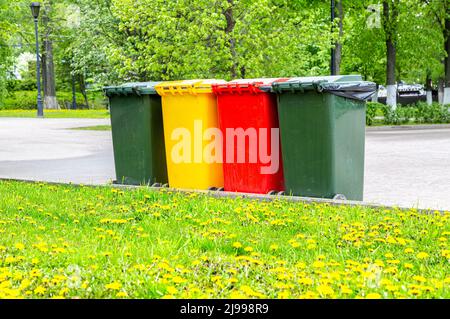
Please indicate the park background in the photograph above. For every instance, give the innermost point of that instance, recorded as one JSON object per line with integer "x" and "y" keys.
{"x": 86, "y": 45}
{"x": 75, "y": 241}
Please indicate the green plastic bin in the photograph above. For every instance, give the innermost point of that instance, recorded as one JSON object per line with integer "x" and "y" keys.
{"x": 322, "y": 128}
{"x": 138, "y": 135}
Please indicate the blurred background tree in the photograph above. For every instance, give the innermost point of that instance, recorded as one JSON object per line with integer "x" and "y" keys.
{"x": 102, "y": 42}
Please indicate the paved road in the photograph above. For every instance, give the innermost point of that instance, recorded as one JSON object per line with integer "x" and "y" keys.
{"x": 408, "y": 168}
{"x": 46, "y": 149}
{"x": 403, "y": 167}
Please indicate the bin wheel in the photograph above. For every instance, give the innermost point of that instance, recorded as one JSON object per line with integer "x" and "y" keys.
{"x": 156, "y": 185}
{"x": 221, "y": 189}
{"x": 339, "y": 197}
{"x": 165, "y": 185}
{"x": 282, "y": 193}
{"x": 272, "y": 193}
{"x": 212, "y": 189}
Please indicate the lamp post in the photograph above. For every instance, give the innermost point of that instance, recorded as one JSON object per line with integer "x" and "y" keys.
{"x": 35, "y": 7}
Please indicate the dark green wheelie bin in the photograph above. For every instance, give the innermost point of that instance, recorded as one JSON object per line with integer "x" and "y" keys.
{"x": 322, "y": 127}
{"x": 138, "y": 135}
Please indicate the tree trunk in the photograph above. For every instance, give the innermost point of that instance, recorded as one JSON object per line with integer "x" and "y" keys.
{"x": 441, "y": 86}
{"x": 429, "y": 89}
{"x": 43, "y": 71}
{"x": 446, "y": 97}
{"x": 336, "y": 64}
{"x": 232, "y": 41}
{"x": 50, "y": 101}
{"x": 243, "y": 72}
{"x": 390, "y": 12}
{"x": 82, "y": 83}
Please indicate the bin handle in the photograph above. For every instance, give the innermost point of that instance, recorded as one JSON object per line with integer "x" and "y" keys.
{"x": 136, "y": 90}
{"x": 319, "y": 87}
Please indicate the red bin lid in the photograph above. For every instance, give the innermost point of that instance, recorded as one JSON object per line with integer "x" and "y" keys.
{"x": 241, "y": 86}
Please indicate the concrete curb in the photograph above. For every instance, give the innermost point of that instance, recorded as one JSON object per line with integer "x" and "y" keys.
{"x": 264, "y": 198}
{"x": 408, "y": 127}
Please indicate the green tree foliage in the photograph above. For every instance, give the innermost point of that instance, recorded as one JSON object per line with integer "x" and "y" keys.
{"x": 5, "y": 51}
{"x": 420, "y": 43}
{"x": 111, "y": 41}
{"x": 222, "y": 38}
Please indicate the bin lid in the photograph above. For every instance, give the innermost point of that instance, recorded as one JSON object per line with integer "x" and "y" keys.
{"x": 186, "y": 87}
{"x": 138, "y": 88}
{"x": 349, "y": 86}
{"x": 261, "y": 85}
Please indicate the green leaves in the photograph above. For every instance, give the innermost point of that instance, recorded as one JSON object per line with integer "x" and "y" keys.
{"x": 137, "y": 40}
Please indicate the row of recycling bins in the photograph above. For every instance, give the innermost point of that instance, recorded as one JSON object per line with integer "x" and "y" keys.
{"x": 301, "y": 136}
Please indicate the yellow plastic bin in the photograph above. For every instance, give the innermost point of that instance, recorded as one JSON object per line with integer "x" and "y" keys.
{"x": 192, "y": 136}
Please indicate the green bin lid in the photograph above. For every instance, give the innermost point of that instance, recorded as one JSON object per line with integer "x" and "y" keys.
{"x": 348, "y": 86}
{"x": 138, "y": 88}
{"x": 310, "y": 83}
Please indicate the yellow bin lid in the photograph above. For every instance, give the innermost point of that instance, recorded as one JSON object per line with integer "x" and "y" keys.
{"x": 186, "y": 87}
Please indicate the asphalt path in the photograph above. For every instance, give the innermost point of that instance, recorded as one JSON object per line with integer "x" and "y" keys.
{"x": 408, "y": 167}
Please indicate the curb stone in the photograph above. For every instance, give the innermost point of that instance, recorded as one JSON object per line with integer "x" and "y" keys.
{"x": 408, "y": 127}
{"x": 231, "y": 195}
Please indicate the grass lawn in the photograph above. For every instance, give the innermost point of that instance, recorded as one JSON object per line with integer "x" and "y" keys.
{"x": 94, "y": 128}
{"x": 92, "y": 114}
{"x": 64, "y": 241}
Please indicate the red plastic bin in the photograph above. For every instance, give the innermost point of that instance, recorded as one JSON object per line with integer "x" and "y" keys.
{"x": 248, "y": 118}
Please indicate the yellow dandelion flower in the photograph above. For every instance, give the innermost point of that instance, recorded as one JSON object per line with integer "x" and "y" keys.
{"x": 114, "y": 286}
{"x": 178, "y": 280}
{"x": 306, "y": 281}
{"x": 325, "y": 290}
{"x": 237, "y": 295}
{"x": 300, "y": 265}
{"x": 237, "y": 245}
{"x": 40, "y": 290}
{"x": 420, "y": 278}
{"x": 283, "y": 294}
{"x": 24, "y": 284}
{"x": 373, "y": 296}
{"x": 318, "y": 264}
{"x": 409, "y": 250}
{"x": 422, "y": 255}
{"x": 346, "y": 291}
{"x": 310, "y": 295}
{"x": 171, "y": 290}
{"x": 121, "y": 294}
{"x": 392, "y": 288}
{"x": 19, "y": 246}
{"x": 273, "y": 247}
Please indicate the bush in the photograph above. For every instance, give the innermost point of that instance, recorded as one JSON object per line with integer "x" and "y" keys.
{"x": 26, "y": 100}
{"x": 434, "y": 113}
{"x": 421, "y": 113}
{"x": 20, "y": 100}
{"x": 371, "y": 112}
{"x": 21, "y": 85}
{"x": 391, "y": 117}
